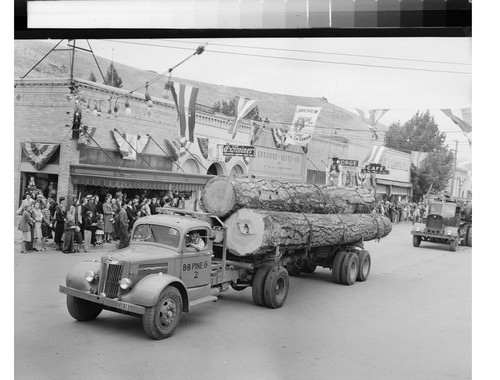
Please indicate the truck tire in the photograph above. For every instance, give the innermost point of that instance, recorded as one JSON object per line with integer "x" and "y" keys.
{"x": 276, "y": 287}
{"x": 469, "y": 237}
{"x": 453, "y": 245}
{"x": 350, "y": 269}
{"x": 161, "y": 320}
{"x": 258, "y": 284}
{"x": 82, "y": 310}
{"x": 365, "y": 263}
{"x": 416, "y": 241}
{"x": 337, "y": 266}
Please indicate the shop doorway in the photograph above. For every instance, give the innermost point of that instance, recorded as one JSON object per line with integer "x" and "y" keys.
{"x": 31, "y": 182}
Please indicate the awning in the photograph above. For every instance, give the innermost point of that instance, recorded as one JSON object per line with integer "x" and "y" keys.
{"x": 382, "y": 181}
{"x": 124, "y": 178}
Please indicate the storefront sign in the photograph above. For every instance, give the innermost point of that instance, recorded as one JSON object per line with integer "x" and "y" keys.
{"x": 278, "y": 164}
{"x": 239, "y": 150}
{"x": 346, "y": 162}
{"x": 302, "y": 128}
{"x": 375, "y": 169}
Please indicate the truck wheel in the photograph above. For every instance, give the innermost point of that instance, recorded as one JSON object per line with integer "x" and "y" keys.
{"x": 416, "y": 241}
{"x": 453, "y": 245}
{"x": 82, "y": 310}
{"x": 350, "y": 268}
{"x": 258, "y": 284}
{"x": 365, "y": 263}
{"x": 469, "y": 237}
{"x": 337, "y": 266}
{"x": 276, "y": 287}
{"x": 161, "y": 320}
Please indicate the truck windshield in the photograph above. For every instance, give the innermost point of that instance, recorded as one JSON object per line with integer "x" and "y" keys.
{"x": 157, "y": 234}
{"x": 446, "y": 210}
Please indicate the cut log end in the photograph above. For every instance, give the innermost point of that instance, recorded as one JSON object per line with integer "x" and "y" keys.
{"x": 245, "y": 232}
{"x": 218, "y": 196}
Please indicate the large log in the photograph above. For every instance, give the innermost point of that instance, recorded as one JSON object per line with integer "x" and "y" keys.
{"x": 223, "y": 195}
{"x": 256, "y": 232}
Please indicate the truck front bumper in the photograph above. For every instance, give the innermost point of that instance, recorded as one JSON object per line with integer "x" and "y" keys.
{"x": 436, "y": 236}
{"x": 108, "y": 303}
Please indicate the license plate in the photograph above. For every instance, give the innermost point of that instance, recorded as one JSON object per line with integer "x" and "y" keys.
{"x": 123, "y": 306}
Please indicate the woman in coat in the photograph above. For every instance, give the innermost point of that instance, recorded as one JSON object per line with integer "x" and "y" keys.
{"x": 25, "y": 226}
{"x": 107, "y": 210}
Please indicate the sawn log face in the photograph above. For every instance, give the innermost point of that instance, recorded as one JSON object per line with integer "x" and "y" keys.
{"x": 255, "y": 232}
{"x": 224, "y": 195}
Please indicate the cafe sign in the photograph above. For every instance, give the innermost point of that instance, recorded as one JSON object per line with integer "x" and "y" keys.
{"x": 375, "y": 169}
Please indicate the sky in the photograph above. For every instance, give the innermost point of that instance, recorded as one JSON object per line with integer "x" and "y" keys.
{"x": 404, "y": 75}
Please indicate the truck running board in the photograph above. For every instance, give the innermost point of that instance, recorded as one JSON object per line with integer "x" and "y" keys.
{"x": 203, "y": 300}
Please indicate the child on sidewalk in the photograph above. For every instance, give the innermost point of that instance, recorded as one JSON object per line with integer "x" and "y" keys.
{"x": 99, "y": 232}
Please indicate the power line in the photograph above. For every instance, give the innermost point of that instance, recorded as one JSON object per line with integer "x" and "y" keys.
{"x": 323, "y": 52}
{"x": 299, "y": 59}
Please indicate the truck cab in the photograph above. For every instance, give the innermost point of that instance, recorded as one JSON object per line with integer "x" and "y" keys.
{"x": 441, "y": 224}
{"x": 160, "y": 274}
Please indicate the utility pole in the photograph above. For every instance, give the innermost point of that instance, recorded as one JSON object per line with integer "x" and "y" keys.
{"x": 454, "y": 168}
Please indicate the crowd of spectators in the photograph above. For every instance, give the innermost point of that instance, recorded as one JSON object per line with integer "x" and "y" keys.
{"x": 402, "y": 211}
{"x": 86, "y": 221}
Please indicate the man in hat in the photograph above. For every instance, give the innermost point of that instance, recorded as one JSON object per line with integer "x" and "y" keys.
{"x": 122, "y": 227}
{"x": 60, "y": 218}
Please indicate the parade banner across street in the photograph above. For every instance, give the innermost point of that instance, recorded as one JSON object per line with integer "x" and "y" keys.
{"x": 302, "y": 128}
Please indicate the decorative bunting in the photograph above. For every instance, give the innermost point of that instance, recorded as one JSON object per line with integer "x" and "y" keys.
{"x": 185, "y": 101}
{"x": 417, "y": 158}
{"x": 465, "y": 123}
{"x": 371, "y": 119}
{"x": 39, "y": 153}
{"x": 86, "y": 137}
{"x": 243, "y": 107}
{"x": 376, "y": 155}
{"x": 203, "y": 144}
{"x": 130, "y": 145}
{"x": 172, "y": 151}
{"x": 258, "y": 128}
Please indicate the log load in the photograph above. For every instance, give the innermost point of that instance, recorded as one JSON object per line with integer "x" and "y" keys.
{"x": 256, "y": 232}
{"x": 223, "y": 195}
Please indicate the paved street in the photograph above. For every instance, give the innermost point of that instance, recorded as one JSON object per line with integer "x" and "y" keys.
{"x": 410, "y": 320}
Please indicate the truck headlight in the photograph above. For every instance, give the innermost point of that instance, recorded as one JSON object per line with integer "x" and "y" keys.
{"x": 90, "y": 276}
{"x": 125, "y": 283}
{"x": 449, "y": 232}
{"x": 417, "y": 229}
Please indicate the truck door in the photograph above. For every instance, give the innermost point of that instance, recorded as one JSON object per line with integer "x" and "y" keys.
{"x": 196, "y": 262}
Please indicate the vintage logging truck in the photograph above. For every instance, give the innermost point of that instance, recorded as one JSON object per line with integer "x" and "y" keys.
{"x": 160, "y": 274}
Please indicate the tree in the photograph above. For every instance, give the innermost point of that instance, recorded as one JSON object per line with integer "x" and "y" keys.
{"x": 92, "y": 77}
{"x": 228, "y": 108}
{"x": 112, "y": 77}
{"x": 421, "y": 134}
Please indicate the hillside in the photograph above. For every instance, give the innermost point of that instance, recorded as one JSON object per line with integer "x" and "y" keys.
{"x": 276, "y": 107}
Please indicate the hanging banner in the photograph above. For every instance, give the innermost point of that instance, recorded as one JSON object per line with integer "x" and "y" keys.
{"x": 302, "y": 128}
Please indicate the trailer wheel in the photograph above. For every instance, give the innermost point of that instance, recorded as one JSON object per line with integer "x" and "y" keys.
{"x": 258, "y": 284}
{"x": 161, "y": 320}
{"x": 453, "y": 245}
{"x": 276, "y": 287}
{"x": 82, "y": 310}
{"x": 350, "y": 269}
{"x": 365, "y": 263}
{"x": 416, "y": 241}
{"x": 469, "y": 237}
{"x": 337, "y": 266}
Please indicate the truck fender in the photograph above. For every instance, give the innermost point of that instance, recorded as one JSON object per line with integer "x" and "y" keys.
{"x": 147, "y": 291}
{"x": 76, "y": 276}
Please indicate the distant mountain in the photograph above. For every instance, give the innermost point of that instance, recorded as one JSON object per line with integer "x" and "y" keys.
{"x": 276, "y": 107}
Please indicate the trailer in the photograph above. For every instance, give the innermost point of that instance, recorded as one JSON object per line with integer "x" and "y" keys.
{"x": 179, "y": 259}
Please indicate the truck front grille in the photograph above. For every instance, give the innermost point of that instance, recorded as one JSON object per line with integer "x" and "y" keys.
{"x": 109, "y": 283}
{"x": 434, "y": 222}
